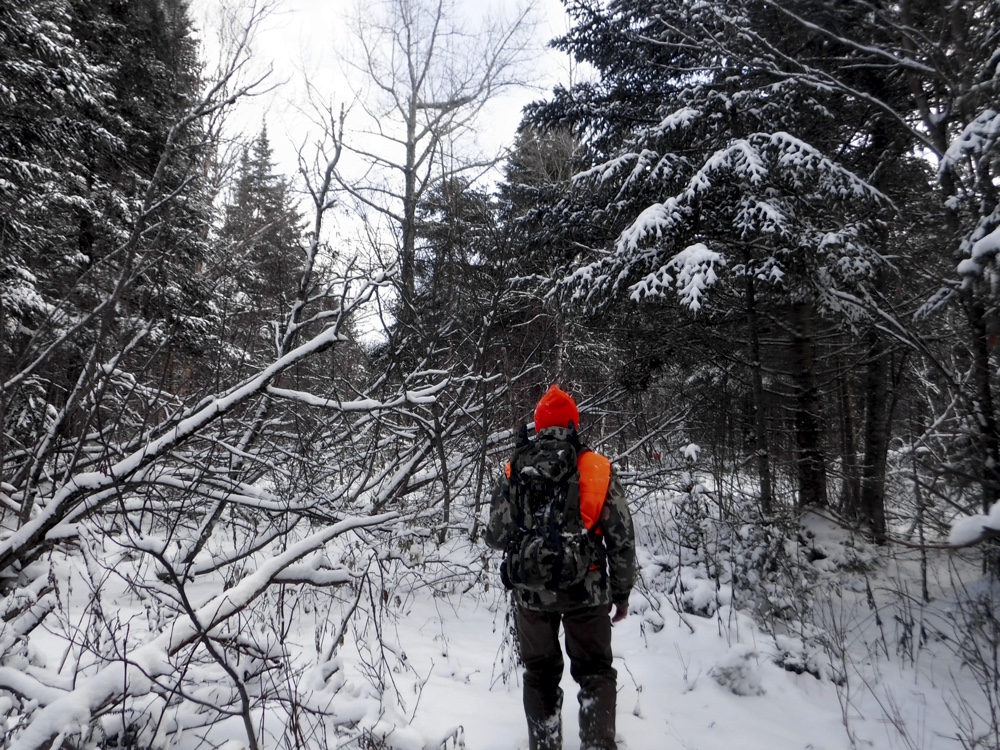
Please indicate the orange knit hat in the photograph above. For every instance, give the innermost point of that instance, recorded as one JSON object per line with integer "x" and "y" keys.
{"x": 556, "y": 409}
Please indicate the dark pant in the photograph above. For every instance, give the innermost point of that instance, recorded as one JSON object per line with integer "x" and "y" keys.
{"x": 588, "y": 645}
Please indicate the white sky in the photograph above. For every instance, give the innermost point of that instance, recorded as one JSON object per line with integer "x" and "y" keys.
{"x": 302, "y": 38}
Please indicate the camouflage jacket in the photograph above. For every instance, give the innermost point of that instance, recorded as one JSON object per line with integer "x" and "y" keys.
{"x": 612, "y": 575}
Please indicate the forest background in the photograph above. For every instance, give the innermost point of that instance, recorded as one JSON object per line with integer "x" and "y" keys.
{"x": 758, "y": 241}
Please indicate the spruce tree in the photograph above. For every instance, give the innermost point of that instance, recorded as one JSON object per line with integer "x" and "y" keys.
{"x": 54, "y": 101}
{"x": 259, "y": 253}
{"x": 149, "y": 55}
{"x": 107, "y": 228}
{"x": 714, "y": 181}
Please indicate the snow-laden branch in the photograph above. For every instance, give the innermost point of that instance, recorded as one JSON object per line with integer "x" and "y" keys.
{"x": 983, "y": 250}
{"x": 785, "y": 187}
{"x": 27, "y": 687}
{"x": 652, "y": 223}
{"x": 71, "y": 712}
{"x": 237, "y": 493}
{"x": 978, "y": 137}
{"x": 749, "y": 161}
{"x": 128, "y": 468}
{"x": 316, "y": 572}
{"x": 970, "y": 530}
{"x": 421, "y": 396}
{"x": 694, "y": 269}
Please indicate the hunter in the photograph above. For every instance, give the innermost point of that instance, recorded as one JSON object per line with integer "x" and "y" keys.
{"x": 576, "y": 583}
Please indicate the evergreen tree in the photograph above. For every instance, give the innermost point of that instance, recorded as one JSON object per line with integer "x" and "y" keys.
{"x": 543, "y": 338}
{"x": 150, "y": 57}
{"x": 925, "y": 74}
{"x": 107, "y": 247}
{"x": 54, "y": 102}
{"x": 260, "y": 253}
{"x": 763, "y": 161}
{"x": 705, "y": 180}
{"x": 456, "y": 226}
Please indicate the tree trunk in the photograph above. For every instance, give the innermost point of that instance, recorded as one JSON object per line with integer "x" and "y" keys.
{"x": 481, "y": 463}
{"x": 876, "y": 438}
{"x": 442, "y": 456}
{"x": 983, "y": 405}
{"x": 850, "y": 495}
{"x": 759, "y": 415}
{"x": 809, "y": 458}
{"x": 408, "y": 249}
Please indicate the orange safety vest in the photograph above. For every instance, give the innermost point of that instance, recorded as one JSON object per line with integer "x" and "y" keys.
{"x": 595, "y": 478}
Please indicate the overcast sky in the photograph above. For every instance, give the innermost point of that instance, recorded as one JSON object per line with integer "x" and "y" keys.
{"x": 302, "y": 37}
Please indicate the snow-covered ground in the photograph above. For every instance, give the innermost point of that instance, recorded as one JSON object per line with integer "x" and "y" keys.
{"x": 427, "y": 659}
{"x": 701, "y": 683}
{"x": 669, "y": 694}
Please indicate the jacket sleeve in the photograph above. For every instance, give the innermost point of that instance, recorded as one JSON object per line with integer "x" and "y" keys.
{"x": 501, "y": 524}
{"x": 619, "y": 540}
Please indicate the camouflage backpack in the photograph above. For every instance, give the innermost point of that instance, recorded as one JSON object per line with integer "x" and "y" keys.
{"x": 551, "y": 549}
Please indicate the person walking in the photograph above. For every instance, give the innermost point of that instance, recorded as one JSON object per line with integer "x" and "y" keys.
{"x": 560, "y": 515}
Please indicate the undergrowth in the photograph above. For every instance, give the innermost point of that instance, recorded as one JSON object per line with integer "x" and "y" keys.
{"x": 839, "y": 607}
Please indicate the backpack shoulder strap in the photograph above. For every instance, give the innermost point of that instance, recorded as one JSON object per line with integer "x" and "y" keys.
{"x": 517, "y": 505}
{"x": 522, "y": 436}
